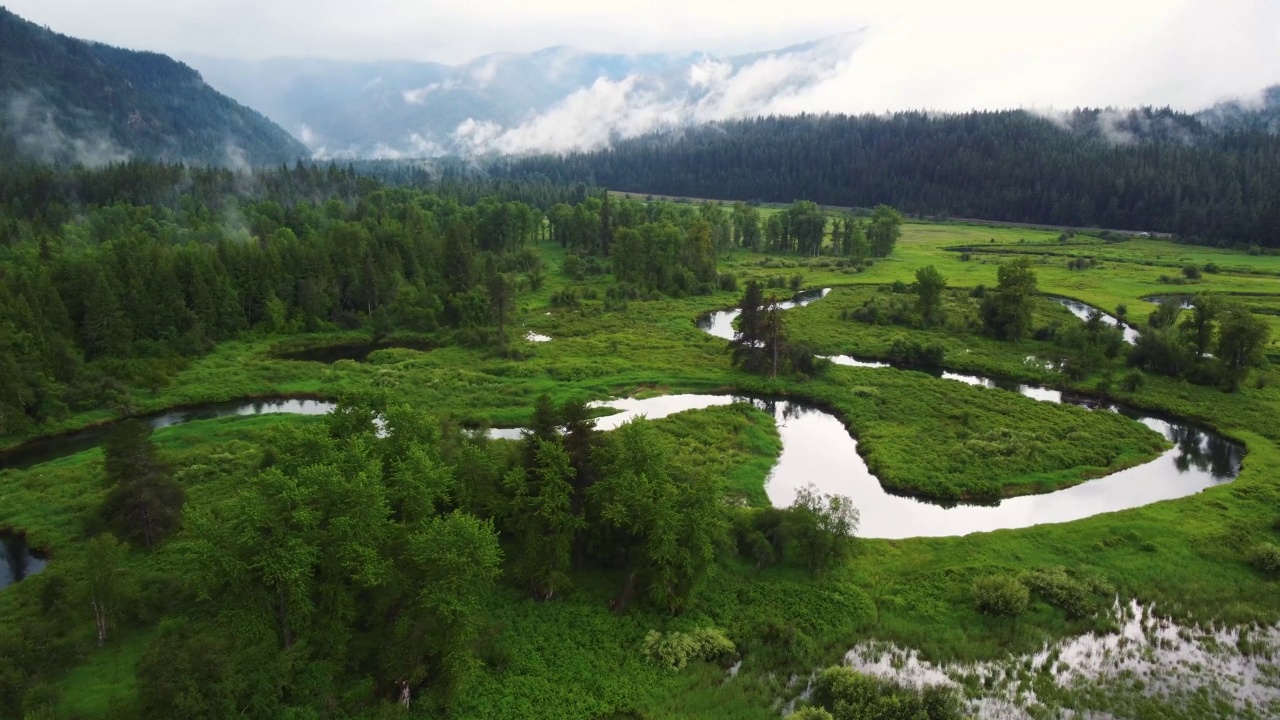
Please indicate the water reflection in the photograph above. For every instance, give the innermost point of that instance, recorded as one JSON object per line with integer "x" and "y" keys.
{"x": 19, "y": 562}
{"x": 45, "y": 449}
{"x": 818, "y": 450}
{"x": 720, "y": 323}
{"x": 1085, "y": 311}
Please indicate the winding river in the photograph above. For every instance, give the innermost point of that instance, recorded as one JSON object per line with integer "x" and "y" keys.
{"x": 816, "y": 450}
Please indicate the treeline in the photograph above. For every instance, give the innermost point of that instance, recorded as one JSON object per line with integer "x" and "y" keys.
{"x": 1144, "y": 170}
{"x": 110, "y": 278}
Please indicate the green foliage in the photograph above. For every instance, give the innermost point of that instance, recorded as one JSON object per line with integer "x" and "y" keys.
{"x": 1060, "y": 590}
{"x": 673, "y": 516}
{"x": 1007, "y": 309}
{"x": 761, "y": 344}
{"x": 811, "y": 713}
{"x": 673, "y": 650}
{"x": 912, "y": 354}
{"x": 929, "y": 287}
{"x": 819, "y": 529}
{"x": 1266, "y": 557}
{"x": 850, "y": 695}
{"x": 1001, "y": 595}
{"x": 1242, "y": 336}
{"x": 144, "y": 504}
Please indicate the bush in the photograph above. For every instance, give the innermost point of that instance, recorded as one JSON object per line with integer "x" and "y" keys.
{"x": 797, "y": 281}
{"x": 729, "y": 281}
{"x": 910, "y": 353}
{"x": 573, "y": 267}
{"x": 1191, "y": 272}
{"x": 1266, "y": 557}
{"x": 850, "y": 694}
{"x": 1255, "y": 250}
{"x": 1001, "y": 595}
{"x": 1134, "y": 381}
{"x": 966, "y": 257}
{"x": 674, "y": 650}
{"x": 1061, "y": 590}
{"x": 812, "y": 713}
{"x": 1211, "y": 268}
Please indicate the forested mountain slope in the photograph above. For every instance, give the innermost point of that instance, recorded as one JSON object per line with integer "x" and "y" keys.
{"x": 69, "y": 100}
{"x": 1144, "y": 169}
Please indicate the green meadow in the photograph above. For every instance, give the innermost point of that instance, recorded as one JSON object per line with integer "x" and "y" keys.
{"x": 571, "y": 657}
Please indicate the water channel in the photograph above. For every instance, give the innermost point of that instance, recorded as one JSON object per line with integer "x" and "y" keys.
{"x": 816, "y": 449}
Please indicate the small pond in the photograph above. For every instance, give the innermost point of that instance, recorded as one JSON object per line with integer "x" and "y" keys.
{"x": 19, "y": 562}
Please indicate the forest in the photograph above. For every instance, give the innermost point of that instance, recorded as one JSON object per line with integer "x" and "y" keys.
{"x": 113, "y": 278}
{"x": 399, "y": 556}
{"x": 1144, "y": 170}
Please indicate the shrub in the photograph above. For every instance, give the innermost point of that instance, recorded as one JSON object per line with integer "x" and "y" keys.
{"x": 674, "y": 650}
{"x": 910, "y": 353}
{"x": 1191, "y": 272}
{"x": 1266, "y": 557}
{"x": 1134, "y": 381}
{"x": 1060, "y": 589}
{"x": 812, "y": 713}
{"x": 1212, "y": 268}
{"x": 966, "y": 257}
{"x": 729, "y": 281}
{"x": 851, "y": 694}
{"x": 573, "y": 267}
{"x": 1255, "y": 250}
{"x": 797, "y": 281}
{"x": 1001, "y": 595}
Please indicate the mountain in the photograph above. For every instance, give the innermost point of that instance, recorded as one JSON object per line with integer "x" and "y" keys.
{"x": 69, "y": 100}
{"x": 557, "y": 99}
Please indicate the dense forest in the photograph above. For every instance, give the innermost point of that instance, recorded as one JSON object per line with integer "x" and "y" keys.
{"x": 1142, "y": 170}
{"x": 112, "y": 278}
{"x": 68, "y": 100}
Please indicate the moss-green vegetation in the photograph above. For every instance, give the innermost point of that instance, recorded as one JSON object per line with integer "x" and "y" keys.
{"x": 571, "y": 656}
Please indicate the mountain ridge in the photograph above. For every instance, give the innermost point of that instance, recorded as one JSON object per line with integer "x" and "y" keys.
{"x": 67, "y": 100}
{"x": 393, "y": 108}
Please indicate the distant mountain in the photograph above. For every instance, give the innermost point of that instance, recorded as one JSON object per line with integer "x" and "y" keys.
{"x": 69, "y": 100}
{"x": 557, "y": 99}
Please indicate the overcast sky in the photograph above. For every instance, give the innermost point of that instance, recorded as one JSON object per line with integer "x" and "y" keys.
{"x": 944, "y": 54}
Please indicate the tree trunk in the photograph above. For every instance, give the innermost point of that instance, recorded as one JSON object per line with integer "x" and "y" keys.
{"x": 282, "y": 620}
{"x": 100, "y": 620}
{"x": 406, "y": 695}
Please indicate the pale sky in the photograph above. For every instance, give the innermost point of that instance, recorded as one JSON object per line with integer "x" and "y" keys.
{"x": 940, "y": 54}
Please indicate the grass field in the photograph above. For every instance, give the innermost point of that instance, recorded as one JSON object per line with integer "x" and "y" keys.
{"x": 573, "y": 658}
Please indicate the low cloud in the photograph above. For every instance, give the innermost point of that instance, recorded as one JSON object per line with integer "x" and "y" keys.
{"x": 710, "y": 89}
{"x": 38, "y": 135}
{"x": 418, "y": 96}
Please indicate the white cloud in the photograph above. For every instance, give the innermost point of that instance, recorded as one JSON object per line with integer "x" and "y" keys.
{"x": 308, "y": 136}
{"x": 709, "y": 71}
{"x": 418, "y": 96}
{"x": 593, "y": 117}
